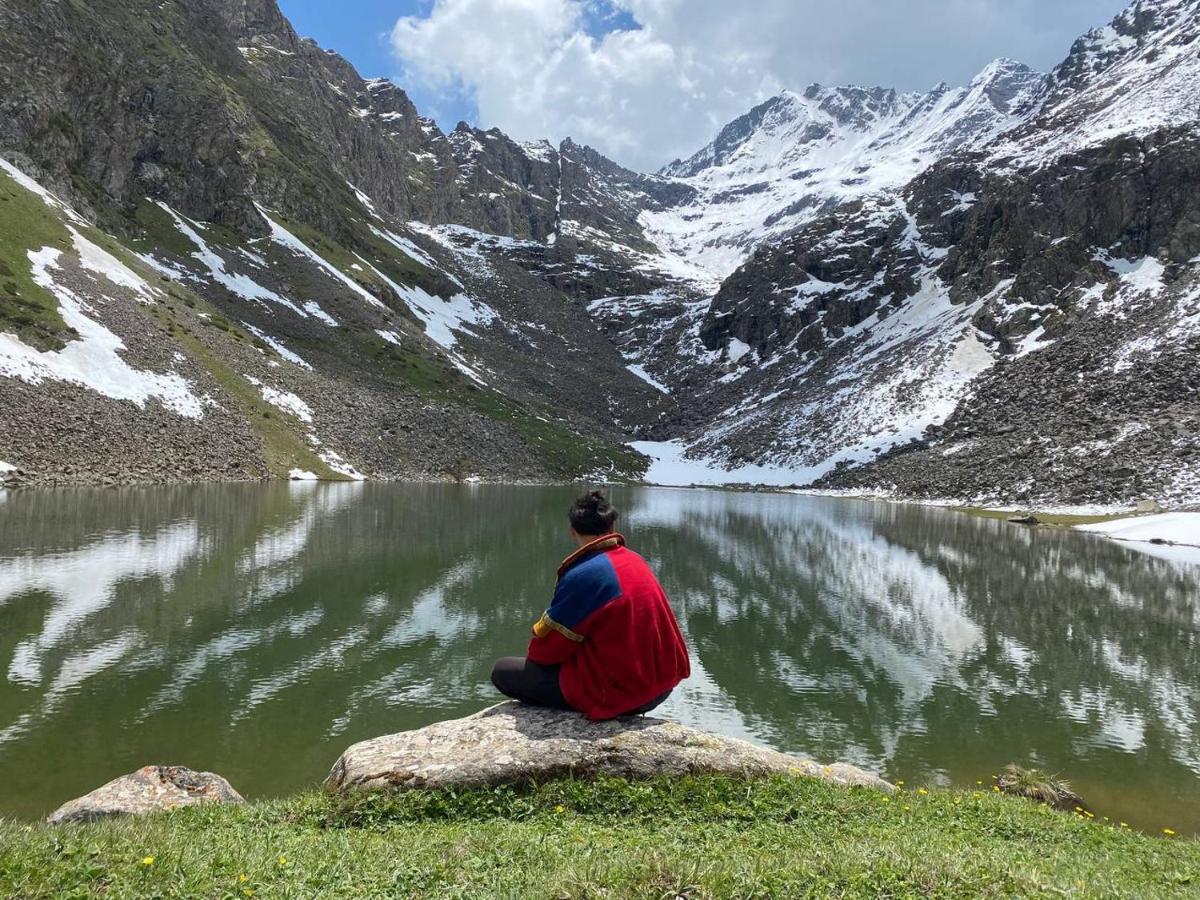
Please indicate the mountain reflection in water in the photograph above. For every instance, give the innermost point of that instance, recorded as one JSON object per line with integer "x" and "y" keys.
{"x": 256, "y": 630}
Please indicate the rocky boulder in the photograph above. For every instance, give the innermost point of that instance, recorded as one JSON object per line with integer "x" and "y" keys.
{"x": 515, "y": 744}
{"x": 149, "y": 789}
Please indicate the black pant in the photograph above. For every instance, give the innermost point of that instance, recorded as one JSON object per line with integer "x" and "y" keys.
{"x": 537, "y": 685}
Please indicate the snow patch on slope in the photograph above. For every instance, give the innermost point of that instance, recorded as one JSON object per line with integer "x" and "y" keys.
{"x": 284, "y": 400}
{"x": 93, "y": 359}
{"x": 640, "y": 371}
{"x": 275, "y": 345}
{"x": 237, "y": 283}
{"x": 285, "y": 238}
{"x": 98, "y": 260}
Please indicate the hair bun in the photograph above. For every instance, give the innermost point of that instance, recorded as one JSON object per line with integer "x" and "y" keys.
{"x": 591, "y": 513}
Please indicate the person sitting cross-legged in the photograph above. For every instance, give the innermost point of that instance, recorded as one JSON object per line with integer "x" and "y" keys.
{"x": 609, "y": 644}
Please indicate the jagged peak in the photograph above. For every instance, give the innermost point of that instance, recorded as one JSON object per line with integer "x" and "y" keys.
{"x": 1127, "y": 34}
{"x": 1002, "y": 67}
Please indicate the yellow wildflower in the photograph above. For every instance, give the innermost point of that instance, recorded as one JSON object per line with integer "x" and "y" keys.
{"x": 243, "y": 878}
{"x": 922, "y": 791}
{"x": 908, "y": 809}
{"x": 899, "y": 784}
{"x": 560, "y": 808}
{"x": 886, "y": 799}
{"x": 1168, "y": 832}
{"x": 147, "y": 860}
{"x": 1124, "y": 824}
{"x": 283, "y": 860}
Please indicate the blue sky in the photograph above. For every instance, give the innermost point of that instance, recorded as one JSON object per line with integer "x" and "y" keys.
{"x": 645, "y": 81}
{"x": 360, "y": 30}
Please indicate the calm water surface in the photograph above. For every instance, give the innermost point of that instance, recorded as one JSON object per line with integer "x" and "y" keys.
{"x": 258, "y": 630}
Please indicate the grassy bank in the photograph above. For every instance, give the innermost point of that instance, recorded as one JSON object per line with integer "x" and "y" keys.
{"x": 690, "y": 837}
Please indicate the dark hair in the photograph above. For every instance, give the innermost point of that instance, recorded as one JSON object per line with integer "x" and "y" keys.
{"x": 591, "y": 513}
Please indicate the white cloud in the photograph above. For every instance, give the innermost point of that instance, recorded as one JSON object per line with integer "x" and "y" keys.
{"x": 674, "y": 71}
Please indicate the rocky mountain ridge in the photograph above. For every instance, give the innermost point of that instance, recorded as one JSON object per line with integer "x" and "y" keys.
{"x": 1008, "y": 326}
{"x": 849, "y": 284}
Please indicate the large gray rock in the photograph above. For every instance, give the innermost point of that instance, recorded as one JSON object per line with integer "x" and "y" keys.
{"x": 147, "y": 790}
{"x": 512, "y": 743}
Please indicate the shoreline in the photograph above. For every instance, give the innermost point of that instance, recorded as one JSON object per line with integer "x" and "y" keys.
{"x": 1096, "y": 519}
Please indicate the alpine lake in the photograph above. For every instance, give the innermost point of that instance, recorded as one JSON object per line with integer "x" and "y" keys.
{"x": 258, "y": 630}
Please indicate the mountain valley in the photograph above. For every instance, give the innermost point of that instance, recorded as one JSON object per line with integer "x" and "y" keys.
{"x": 225, "y": 255}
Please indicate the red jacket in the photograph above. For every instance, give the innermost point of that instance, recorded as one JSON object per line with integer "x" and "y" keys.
{"x": 612, "y": 630}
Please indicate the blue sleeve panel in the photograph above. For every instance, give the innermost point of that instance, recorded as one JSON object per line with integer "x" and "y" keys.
{"x": 584, "y": 589}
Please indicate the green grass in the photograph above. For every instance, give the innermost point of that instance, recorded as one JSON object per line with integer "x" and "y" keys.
{"x": 279, "y": 438}
{"x": 27, "y": 309}
{"x": 1034, "y": 784}
{"x": 693, "y": 837}
{"x": 564, "y": 452}
{"x": 156, "y": 231}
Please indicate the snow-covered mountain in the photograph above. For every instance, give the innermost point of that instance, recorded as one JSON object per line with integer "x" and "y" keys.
{"x": 1132, "y": 77}
{"x": 225, "y": 254}
{"x": 1015, "y": 322}
{"x": 797, "y": 156}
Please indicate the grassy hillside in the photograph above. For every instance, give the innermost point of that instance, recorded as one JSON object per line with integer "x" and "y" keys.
{"x": 694, "y": 837}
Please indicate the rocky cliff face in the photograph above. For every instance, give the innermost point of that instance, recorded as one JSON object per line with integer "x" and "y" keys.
{"x": 225, "y": 254}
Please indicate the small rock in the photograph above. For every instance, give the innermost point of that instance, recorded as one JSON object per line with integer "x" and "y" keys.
{"x": 1149, "y": 506}
{"x": 147, "y": 790}
{"x": 515, "y": 744}
{"x": 1024, "y": 520}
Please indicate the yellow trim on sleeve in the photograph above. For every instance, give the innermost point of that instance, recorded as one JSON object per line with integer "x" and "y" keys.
{"x": 545, "y": 625}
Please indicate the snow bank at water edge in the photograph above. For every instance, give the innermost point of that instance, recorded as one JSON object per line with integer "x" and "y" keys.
{"x": 1169, "y": 535}
{"x": 669, "y": 467}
